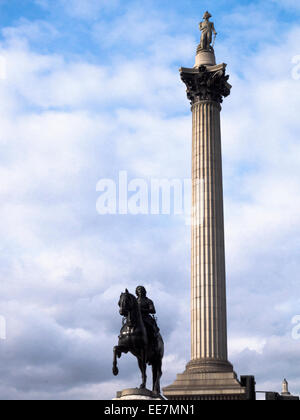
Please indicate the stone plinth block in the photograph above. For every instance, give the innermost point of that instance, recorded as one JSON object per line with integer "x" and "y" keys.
{"x": 206, "y": 386}
{"x": 137, "y": 394}
{"x": 206, "y": 58}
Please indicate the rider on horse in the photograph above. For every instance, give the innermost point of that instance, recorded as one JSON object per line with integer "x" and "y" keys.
{"x": 140, "y": 336}
{"x": 147, "y": 309}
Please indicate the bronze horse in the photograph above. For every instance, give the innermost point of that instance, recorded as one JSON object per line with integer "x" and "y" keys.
{"x": 133, "y": 338}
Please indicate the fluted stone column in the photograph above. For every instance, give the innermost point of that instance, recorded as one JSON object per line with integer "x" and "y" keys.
{"x": 208, "y": 292}
{"x": 208, "y": 375}
{"x": 206, "y": 87}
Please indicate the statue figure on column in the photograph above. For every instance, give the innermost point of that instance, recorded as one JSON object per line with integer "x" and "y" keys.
{"x": 207, "y": 28}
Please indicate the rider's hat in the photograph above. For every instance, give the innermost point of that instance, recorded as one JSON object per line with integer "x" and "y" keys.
{"x": 207, "y": 15}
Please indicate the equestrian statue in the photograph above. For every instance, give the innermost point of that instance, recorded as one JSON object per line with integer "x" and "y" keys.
{"x": 140, "y": 336}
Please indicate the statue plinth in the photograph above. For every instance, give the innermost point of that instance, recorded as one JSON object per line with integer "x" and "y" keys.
{"x": 206, "y": 386}
{"x": 137, "y": 394}
{"x": 205, "y": 58}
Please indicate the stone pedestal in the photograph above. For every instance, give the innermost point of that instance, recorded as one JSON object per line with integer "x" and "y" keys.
{"x": 209, "y": 375}
{"x": 137, "y": 394}
{"x": 205, "y": 386}
{"x": 206, "y": 58}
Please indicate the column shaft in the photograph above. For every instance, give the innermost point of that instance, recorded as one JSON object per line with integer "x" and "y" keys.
{"x": 208, "y": 298}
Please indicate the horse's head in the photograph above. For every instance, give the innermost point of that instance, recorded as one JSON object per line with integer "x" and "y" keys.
{"x": 126, "y": 303}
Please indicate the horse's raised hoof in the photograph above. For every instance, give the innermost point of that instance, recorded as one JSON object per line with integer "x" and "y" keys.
{"x": 115, "y": 371}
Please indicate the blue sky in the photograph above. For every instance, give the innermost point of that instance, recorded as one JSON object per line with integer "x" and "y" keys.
{"x": 74, "y": 21}
{"x": 92, "y": 88}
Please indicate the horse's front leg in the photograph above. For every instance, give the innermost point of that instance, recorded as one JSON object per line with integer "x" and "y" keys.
{"x": 118, "y": 350}
{"x": 143, "y": 368}
{"x": 117, "y": 354}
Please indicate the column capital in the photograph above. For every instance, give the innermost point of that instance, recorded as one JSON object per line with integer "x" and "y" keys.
{"x": 206, "y": 83}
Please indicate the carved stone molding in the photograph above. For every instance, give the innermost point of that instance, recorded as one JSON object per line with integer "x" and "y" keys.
{"x": 206, "y": 83}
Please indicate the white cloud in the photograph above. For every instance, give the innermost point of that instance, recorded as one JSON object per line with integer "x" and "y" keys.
{"x": 87, "y": 9}
{"x": 288, "y": 4}
{"x": 30, "y": 31}
{"x": 239, "y": 344}
{"x": 278, "y": 360}
{"x": 81, "y": 9}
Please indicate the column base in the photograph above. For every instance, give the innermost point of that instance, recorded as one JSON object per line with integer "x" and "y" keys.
{"x": 137, "y": 394}
{"x": 206, "y": 380}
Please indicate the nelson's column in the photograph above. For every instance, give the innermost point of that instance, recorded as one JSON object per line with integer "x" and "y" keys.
{"x": 209, "y": 374}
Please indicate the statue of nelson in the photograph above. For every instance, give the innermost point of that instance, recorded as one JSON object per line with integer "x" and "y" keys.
{"x": 207, "y": 28}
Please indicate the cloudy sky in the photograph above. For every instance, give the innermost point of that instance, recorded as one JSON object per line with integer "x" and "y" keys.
{"x": 89, "y": 88}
